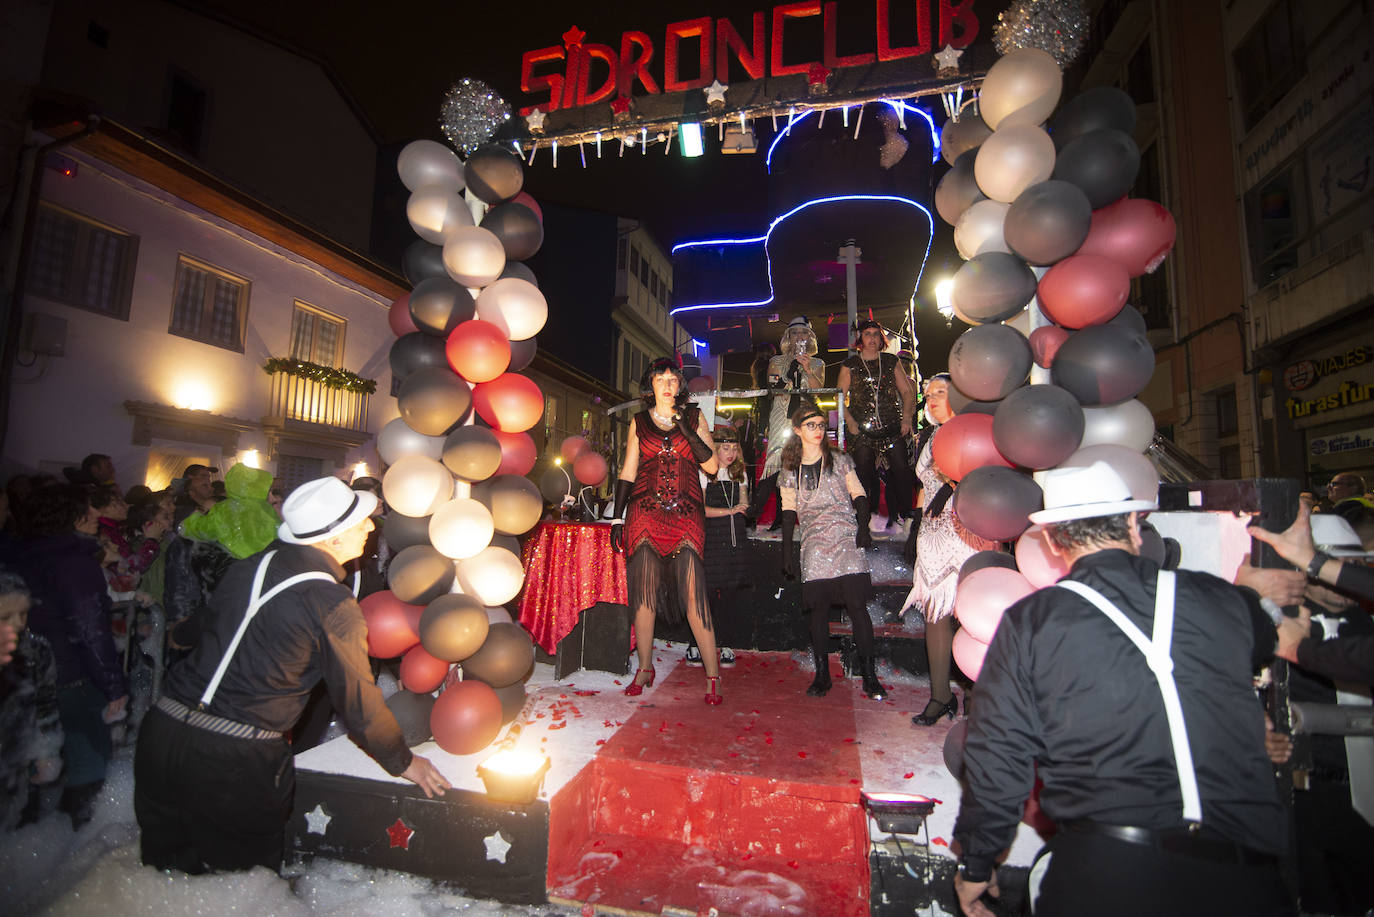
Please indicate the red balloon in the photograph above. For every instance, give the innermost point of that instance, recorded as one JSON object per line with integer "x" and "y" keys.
{"x": 421, "y": 673}
{"x": 964, "y": 443}
{"x": 524, "y": 198}
{"x": 984, "y": 595}
{"x": 590, "y": 468}
{"x": 1084, "y": 290}
{"x": 510, "y": 402}
{"x": 478, "y": 351}
{"x": 572, "y": 447}
{"x": 393, "y": 626}
{"x": 518, "y": 454}
{"x": 466, "y": 717}
{"x": 1045, "y": 343}
{"x": 1133, "y": 232}
{"x": 399, "y": 317}
{"x": 968, "y": 652}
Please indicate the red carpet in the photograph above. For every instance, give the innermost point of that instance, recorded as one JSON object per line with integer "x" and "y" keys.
{"x": 751, "y": 807}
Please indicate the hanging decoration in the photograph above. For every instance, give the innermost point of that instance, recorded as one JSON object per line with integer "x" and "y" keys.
{"x": 1056, "y": 26}
{"x": 471, "y": 113}
{"x": 328, "y": 376}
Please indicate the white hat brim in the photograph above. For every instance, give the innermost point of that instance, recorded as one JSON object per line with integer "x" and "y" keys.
{"x": 1338, "y": 551}
{"x": 366, "y": 504}
{"x": 1090, "y": 511}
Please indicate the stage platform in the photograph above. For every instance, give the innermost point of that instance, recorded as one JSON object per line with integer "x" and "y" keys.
{"x": 663, "y": 805}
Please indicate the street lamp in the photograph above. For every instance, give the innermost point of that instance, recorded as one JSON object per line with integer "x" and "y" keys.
{"x": 944, "y": 298}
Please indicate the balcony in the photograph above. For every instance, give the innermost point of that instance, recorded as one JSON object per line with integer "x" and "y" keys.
{"x": 317, "y": 404}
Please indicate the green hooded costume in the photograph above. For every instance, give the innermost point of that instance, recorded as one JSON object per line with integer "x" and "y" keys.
{"x": 243, "y": 524}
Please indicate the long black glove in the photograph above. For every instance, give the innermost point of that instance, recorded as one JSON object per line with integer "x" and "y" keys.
{"x": 794, "y": 375}
{"x": 862, "y": 537}
{"x": 789, "y": 527}
{"x": 622, "y": 498}
{"x": 700, "y": 451}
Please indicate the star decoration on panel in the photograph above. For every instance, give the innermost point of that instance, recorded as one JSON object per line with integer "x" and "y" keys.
{"x": 400, "y": 834}
{"x": 317, "y": 820}
{"x": 497, "y": 846}
{"x": 715, "y": 94}
{"x": 947, "y": 60}
{"x": 535, "y": 121}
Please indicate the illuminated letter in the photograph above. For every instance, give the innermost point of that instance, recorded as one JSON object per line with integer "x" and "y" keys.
{"x": 729, "y": 41}
{"x": 699, "y": 29}
{"x": 828, "y": 53}
{"x": 635, "y": 67}
{"x": 553, "y": 82}
{"x": 960, "y": 14}
{"x": 780, "y": 15}
{"x": 584, "y": 74}
{"x": 886, "y": 51}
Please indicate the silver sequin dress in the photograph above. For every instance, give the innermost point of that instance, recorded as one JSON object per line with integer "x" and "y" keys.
{"x": 942, "y": 546}
{"x": 825, "y": 516}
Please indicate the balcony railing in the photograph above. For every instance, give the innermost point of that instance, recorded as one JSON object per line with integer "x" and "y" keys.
{"x": 303, "y": 398}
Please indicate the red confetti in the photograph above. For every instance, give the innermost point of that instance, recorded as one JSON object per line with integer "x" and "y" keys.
{"x": 557, "y": 725}
{"x": 801, "y": 754}
{"x": 849, "y": 741}
{"x": 853, "y": 781}
{"x": 616, "y": 680}
{"x": 753, "y": 711}
{"x": 793, "y": 863}
{"x": 768, "y": 741}
{"x": 588, "y": 693}
{"x": 663, "y": 727}
{"x": 940, "y": 842}
{"x": 600, "y": 741}
{"x": 400, "y": 834}
{"x": 908, "y": 775}
{"x": 734, "y": 754}
{"x": 562, "y": 697}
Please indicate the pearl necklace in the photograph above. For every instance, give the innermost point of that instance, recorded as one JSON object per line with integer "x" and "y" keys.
{"x": 660, "y": 419}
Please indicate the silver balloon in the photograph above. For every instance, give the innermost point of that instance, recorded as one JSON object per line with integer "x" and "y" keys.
{"x": 1135, "y": 469}
{"x": 980, "y": 229}
{"x": 958, "y": 137}
{"x": 515, "y": 306}
{"x": 435, "y": 212}
{"x": 1012, "y": 160}
{"x": 474, "y": 256}
{"x": 1128, "y": 424}
{"x": 425, "y": 162}
{"x": 396, "y": 441}
{"x": 1021, "y": 88}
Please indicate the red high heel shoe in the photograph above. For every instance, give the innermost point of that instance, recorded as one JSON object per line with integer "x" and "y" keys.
{"x": 634, "y": 688}
{"x": 712, "y": 682}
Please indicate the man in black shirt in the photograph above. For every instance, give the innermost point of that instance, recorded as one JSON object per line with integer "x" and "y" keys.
{"x": 214, "y": 775}
{"x": 1137, "y": 712}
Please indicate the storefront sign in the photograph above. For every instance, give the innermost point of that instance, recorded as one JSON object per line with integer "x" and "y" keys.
{"x": 1329, "y": 380}
{"x": 561, "y": 75}
{"x": 1338, "y": 165}
{"x": 1361, "y": 440}
{"x": 1306, "y": 373}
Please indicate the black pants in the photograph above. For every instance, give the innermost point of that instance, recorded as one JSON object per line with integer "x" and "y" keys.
{"x": 206, "y": 801}
{"x": 898, "y": 476}
{"x": 1089, "y": 875}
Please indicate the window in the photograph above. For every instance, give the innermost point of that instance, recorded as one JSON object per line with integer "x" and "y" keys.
{"x": 644, "y": 272}
{"x": 317, "y": 336}
{"x": 1225, "y": 401}
{"x": 1273, "y": 225}
{"x": 1228, "y": 463}
{"x": 82, "y": 263}
{"x": 653, "y": 284}
{"x": 1269, "y": 61}
{"x": 621, "y": 248}
{"x": 550, "y": 417}
{"x": 634, "y": 261}
{"x": 186, "y": 105}
{"x": 1140, "y": 74}
{"x": 208, "y": 305}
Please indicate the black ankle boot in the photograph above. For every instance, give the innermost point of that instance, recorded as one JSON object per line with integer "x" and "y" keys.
{"x": 872, "y": 687}
{"x": 821, "y": 683}
{"x": 79, "y": 802}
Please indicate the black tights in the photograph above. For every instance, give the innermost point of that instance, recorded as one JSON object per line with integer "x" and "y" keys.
{"x": 898, "y": 477}
{"x": 858, "y": 618}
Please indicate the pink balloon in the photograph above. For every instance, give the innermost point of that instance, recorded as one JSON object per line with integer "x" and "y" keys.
{"x": 421, "y": 673}
{"x": 524, "y": 198}
{"x": 590, "y": 468}
{"x": 1134, "y": 232}
{"x": 1084, "y": 290}
{"x": 518, "y": 454}
{"x": 964, "y": 443}
{"x": 572, "y": 447}
{"x": 510, "y": 402}
{"x": 478, "y": 351}
{"x": 393, "y": 626}
{"x": 984, "y": 595}
{"x": 1045, "y": 344}
{"x": 399, "y": 317}
{"x": 968, "y": 653}
{"x": 1037, "y": 564}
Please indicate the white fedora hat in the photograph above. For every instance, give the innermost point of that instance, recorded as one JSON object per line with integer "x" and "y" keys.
{"x": 1086, "y": 493}
{"x": 1335, "y": 536}
{"x": 321, "y": 509}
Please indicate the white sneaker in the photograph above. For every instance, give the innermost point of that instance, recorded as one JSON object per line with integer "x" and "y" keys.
{"x": 727, "y": 657}
{"x": 693, "y": 656}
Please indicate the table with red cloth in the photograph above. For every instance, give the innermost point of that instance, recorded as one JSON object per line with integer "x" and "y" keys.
{"x": 569, "y": 567}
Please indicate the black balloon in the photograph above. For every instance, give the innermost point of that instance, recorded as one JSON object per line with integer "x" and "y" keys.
{"x": 960, "y": 403}
{"x": 992, "y": 287}
{"x": 517, "y": 227}
{"x": 419, "y": 575}
{"x": 512, "y": 699}
{"x": 1129, "y": 317}
{"x": 453, "y": 627}
{"x": 519, "y": 271}
{"x": 415, "y": 351}
{"x": 985, "y": 559}
{"x": 1104, "y": 364}
{"x": 555, "y": 484}
{"x": 1038, "y": 426}
{"x": 1047, "y": 222}
{"x": 1100, "y": 108}
{"x": 954, "y": 748}
{"x": 506, "y": 656}
{"x": 994, "y": 502}
{"x": 405, "y": 531}
{"x": 958, "y": 189}
{"x": 440, "y": 304}
{"x": 472, "y": 453}
{"x": 433, "y": 400}
{"x": 509, "y": 542}
{"x": 412, "y": 713}
{"x": 521, "y": 354}
{"x": 988, "y": 362}
{"x": 514, "y": 501}
{"x": 422, "y": 261}
{"x": 494, "y": 173}
{"x": 1103, "y": 164}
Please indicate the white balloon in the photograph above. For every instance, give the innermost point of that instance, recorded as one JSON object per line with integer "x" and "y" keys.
{"x": 435, "y": 212}
{"x": 980, "y": 229}
{"x": 1013, "y": 159}
{"x": 417, "y": 486}
{"x": 497, "y": 615}
{"x": 515, "y": 306}
{"x": 424, "y": 162}
{"x": 1128, "y": 424}
{"x": 1020, "y": 321}
{"x": 397, "y": 440}
{"x": 494, "y": 576}
{"x": 1135, "y": 469}
{"x": 1021, "y": 88}
{"x": 461, "y": 528}
{"x": 474, "y": 256}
